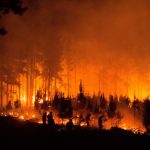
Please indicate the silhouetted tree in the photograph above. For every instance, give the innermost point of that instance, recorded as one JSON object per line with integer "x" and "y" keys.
{"x": 56, "y": 100}
{"x": 81, "y": 98}
{"x": 38, "y": 97}
{"x": 89, "y": 104}
{"x": 7, "y": 6}
{"x": 136, "y": 107}
{"x": 146, "y": 114}
{"x": 103, "y": 102}
{"x": 65, "y": 108}
{"x": 124, "y": 101}
{"x": 112, "y": 106}
{"x": 136, "y": 104}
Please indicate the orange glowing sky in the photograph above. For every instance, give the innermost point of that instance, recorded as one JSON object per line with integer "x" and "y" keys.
{"x": 104, "y": 43}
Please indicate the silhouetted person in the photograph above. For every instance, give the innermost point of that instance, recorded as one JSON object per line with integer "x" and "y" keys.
{"x": 69, "y": 125}
{"x": 100, "y": 121}
{"x": 44, "y": 118}
{"x": 51, "y": 121}
{"x": 87, "y": 119}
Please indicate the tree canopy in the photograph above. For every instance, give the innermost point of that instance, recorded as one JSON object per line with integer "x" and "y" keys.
{"x": 7, "y": 6}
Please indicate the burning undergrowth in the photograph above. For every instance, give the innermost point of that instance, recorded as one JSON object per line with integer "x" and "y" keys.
{"x": 114, "y": 112}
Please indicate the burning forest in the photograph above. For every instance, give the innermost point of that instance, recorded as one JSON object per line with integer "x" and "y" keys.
{"x": 82, "y": 63}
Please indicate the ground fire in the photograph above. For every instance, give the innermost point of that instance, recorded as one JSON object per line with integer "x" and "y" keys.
{"x": 115, "y": 112}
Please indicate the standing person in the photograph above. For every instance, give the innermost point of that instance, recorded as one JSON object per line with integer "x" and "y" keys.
{"x": 51, "y": 121}
{"x": 44, "y": 116}
{"x": 87, "y": 119}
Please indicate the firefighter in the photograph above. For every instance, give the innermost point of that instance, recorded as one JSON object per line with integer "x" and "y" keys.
{"x": 51, "y": 121}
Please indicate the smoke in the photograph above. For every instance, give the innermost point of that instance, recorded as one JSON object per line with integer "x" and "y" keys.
{"x": 106, "y": 43}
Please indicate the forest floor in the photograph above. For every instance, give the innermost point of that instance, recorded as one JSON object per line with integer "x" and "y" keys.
{"x": 25, "y": 134}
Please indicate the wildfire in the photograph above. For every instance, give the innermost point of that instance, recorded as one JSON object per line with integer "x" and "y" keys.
{"x": 83, "y": 124}
{"x": 21, "y": 117}
{"x": 59, "y": 121}
{"x": 33, "y": 116}
{"x": 124, "y": 126}
{"x": 134, "y": 130}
